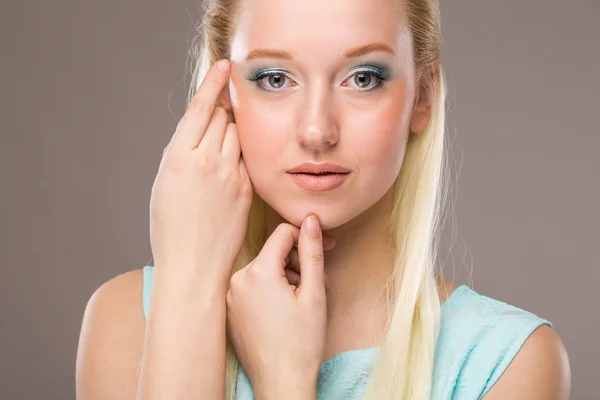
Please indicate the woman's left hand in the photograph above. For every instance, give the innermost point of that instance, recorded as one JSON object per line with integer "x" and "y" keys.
{"x": 279, "y": 329}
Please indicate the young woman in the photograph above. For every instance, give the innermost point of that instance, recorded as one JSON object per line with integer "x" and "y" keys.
{"x": 306, "y": 268}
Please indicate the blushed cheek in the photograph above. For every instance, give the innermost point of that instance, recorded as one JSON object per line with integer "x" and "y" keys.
{"x": 382, "y": 147}
{"x": 258, "y": 136}
{"x": 262, "y": 141}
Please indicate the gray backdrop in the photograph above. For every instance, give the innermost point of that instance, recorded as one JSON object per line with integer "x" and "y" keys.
{"x": 92, "y": 91}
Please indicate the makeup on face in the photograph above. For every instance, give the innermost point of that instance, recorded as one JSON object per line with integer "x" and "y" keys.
{"x": 319, "y": 182}
{"x": 364, "y": 70}
{"x": 365, "y": 77}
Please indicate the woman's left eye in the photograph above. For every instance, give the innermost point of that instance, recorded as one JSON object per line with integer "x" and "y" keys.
{"x": 364, "y": 78}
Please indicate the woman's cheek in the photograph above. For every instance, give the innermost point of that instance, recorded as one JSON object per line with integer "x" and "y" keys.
{"x": 262, "y": 132}
{"x": 379, "y": 154}
{"x": 260, "y": 150}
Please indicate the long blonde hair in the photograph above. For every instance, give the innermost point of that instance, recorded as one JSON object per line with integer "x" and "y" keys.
{"x": 403, "y": 367}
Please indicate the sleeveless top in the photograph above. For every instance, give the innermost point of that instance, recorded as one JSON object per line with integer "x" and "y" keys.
{"x": 479, "y": 336}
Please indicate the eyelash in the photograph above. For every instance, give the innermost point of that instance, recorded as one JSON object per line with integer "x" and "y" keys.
{"x": 382, "y": 78}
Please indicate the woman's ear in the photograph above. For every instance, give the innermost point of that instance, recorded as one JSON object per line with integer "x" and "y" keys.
{"x": 224, "y": 100}
{"x": 421, "y": 113}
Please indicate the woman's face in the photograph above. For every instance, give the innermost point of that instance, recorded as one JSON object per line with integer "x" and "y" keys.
{"x": 311, "y": 92}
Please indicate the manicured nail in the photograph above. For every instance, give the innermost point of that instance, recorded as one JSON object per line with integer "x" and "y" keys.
{"x": 223, "y": 65}
{"x": 312, "y": 227}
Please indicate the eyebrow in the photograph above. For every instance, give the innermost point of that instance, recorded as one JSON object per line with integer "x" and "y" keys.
{"x": 353, "y": 52}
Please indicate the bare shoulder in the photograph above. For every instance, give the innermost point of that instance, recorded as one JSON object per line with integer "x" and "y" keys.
{"x": 539, "y": 371}
{"x": 111, "y": 339}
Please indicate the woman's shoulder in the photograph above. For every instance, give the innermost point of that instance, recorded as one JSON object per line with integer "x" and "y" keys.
{"x": 468, "y": 310}
{"x": 121, "y": 293}
{"x": 478, "y": 339}
{"x": 111, "y": 338}
{"x": 120, "y": 296}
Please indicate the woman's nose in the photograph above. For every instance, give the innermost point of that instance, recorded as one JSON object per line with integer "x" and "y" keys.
{"x": 318, "y": 129}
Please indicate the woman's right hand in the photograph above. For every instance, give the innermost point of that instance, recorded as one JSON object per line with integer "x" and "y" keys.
{"x": 202, "y": 193}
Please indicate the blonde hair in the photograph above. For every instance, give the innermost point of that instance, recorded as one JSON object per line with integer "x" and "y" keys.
{"x": 403, "y": 366}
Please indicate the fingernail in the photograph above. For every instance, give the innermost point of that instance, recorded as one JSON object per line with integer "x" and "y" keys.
{"x": 312, "y": 227}
{"x": 223, "y": 65}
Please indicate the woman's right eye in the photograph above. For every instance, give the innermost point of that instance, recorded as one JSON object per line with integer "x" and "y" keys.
{"x": 270, "y": 81}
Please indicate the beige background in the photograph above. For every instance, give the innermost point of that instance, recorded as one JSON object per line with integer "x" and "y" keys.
{"x": 92, "y": 91}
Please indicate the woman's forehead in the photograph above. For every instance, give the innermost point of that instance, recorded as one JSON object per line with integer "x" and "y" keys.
{"x": 315, "y": 27}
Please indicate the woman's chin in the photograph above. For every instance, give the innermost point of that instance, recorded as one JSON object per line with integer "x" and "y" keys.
{"x": 294, "y": 211}
{"x": 329, "y": 219}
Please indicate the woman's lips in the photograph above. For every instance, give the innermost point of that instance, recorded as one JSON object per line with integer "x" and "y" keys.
{"x": 319, "y": 182}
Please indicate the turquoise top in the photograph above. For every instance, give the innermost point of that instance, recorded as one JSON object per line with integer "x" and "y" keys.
{"x": 479, "y": 336}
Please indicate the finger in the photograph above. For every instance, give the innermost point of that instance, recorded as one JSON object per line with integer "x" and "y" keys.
{"x": 293, "y": 263}
{"x": 294, "y": 278}
{"x": 243, "y": 171}
{"x": 231, "y": 143}
{"x": 328, "y": 243}
{"x": 311, "y": 257}
{"x": 278, "y": 246}
{"x": 165, "y": 150}
{"x": 296, "y": 282}
{"x": 213, "y": 137}
{"x": 192, "y": 125}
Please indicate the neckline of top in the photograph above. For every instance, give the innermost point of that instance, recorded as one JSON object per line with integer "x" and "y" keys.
{"x": 369, "y": 350}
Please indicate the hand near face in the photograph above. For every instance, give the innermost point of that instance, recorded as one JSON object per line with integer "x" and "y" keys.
{"x": 279, "y": 329}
